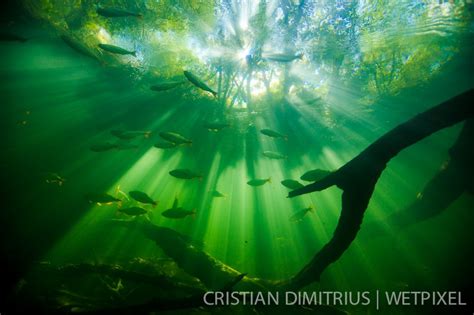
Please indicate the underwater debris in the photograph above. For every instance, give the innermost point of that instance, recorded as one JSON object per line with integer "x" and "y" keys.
{"x": 259, "y": 182}
{"x": 273, "y": 134}
{"x": 24, "y": 121}
{"x": 176, "y": 212}
{"x": 142, "y": 197}
{"x": 117, "y": 50}
{"x": 118, "y": 191}
{"x": 291, "y": 183}
{"x": 184, "y": 174}
{"x": 175, "y": 137}
{"x": 199, "y": 83}
{"x": 274, "y": 155}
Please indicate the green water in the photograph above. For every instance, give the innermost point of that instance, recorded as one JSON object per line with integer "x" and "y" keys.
{"x": 366, "y": 68}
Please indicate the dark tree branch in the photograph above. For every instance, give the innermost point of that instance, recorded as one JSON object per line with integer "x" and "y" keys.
{"x": 358, "y": 177}
{"x": 453, "y": 179}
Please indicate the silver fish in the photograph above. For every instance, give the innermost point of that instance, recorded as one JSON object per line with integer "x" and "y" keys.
{"x": 117, "y": 12}
{"x": 117, "y": 50}
{"x": 280, "y": 57}
{"x": 198, "y": 82}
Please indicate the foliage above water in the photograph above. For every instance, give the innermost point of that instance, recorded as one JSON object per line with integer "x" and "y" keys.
{"x": 384, "y": 46}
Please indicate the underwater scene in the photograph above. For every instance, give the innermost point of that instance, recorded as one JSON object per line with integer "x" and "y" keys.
{"x": 237, "y": 157}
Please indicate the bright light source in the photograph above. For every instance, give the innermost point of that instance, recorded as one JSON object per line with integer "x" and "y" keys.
{"x": 103, "y": 36}
{"x": 244, "y": 24}
{"x": 242, "y": 55}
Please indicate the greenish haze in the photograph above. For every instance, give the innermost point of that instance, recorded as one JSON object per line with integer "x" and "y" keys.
{"x": 76, "y": 127}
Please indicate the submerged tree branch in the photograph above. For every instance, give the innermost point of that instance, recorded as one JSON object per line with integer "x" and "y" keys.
{"x": 455, "y": 177}
{"x": 213, "y": 273}
{"x": 358, "y": 177}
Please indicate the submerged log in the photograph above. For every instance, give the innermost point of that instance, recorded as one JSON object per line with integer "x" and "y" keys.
{"x": 213, "y": 273}
{"x": 358, "y": 177}
{"x": 163, "y": 304}
{"x": 117, "y": 271}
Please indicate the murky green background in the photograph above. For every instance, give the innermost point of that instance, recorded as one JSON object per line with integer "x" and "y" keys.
{"x": 366, "y": 68}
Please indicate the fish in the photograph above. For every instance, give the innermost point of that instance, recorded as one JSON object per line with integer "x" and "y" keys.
{"x": 142, "y": 197}
{"x": 292, "y": 184}
{"x": 259, "y": 182}
{"x": 313, "y": 101}
{"x": 54, "y": 178}
{"x": 175, "y": 138}
{"x": 215, "y": 126}
{"x": 217, "y": 194}
{"x": 176, "y": 212}
{"x": 101, "y": 198}
{"x": 11, "y": 37}
{"x": 199, "y": 83}
{"x": 314, "y": 175}
{"x": 164, "y": 86}
{"x": 274, "y": 155}
{"x": 273, "y": 134}
{"x": 133, "y": 211}
{"x": 184, "y": 174}
{"x": 117, "y": 12}
{"x": 117, "y": 50}
{"x": 103, "y": 147}
{"x": 298, "y": 216}
{"x": 165, "y": 145}
{"x": 79, "y": 47}
{"x": 128, "y": 135}
{"x": 281, "y": 57}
